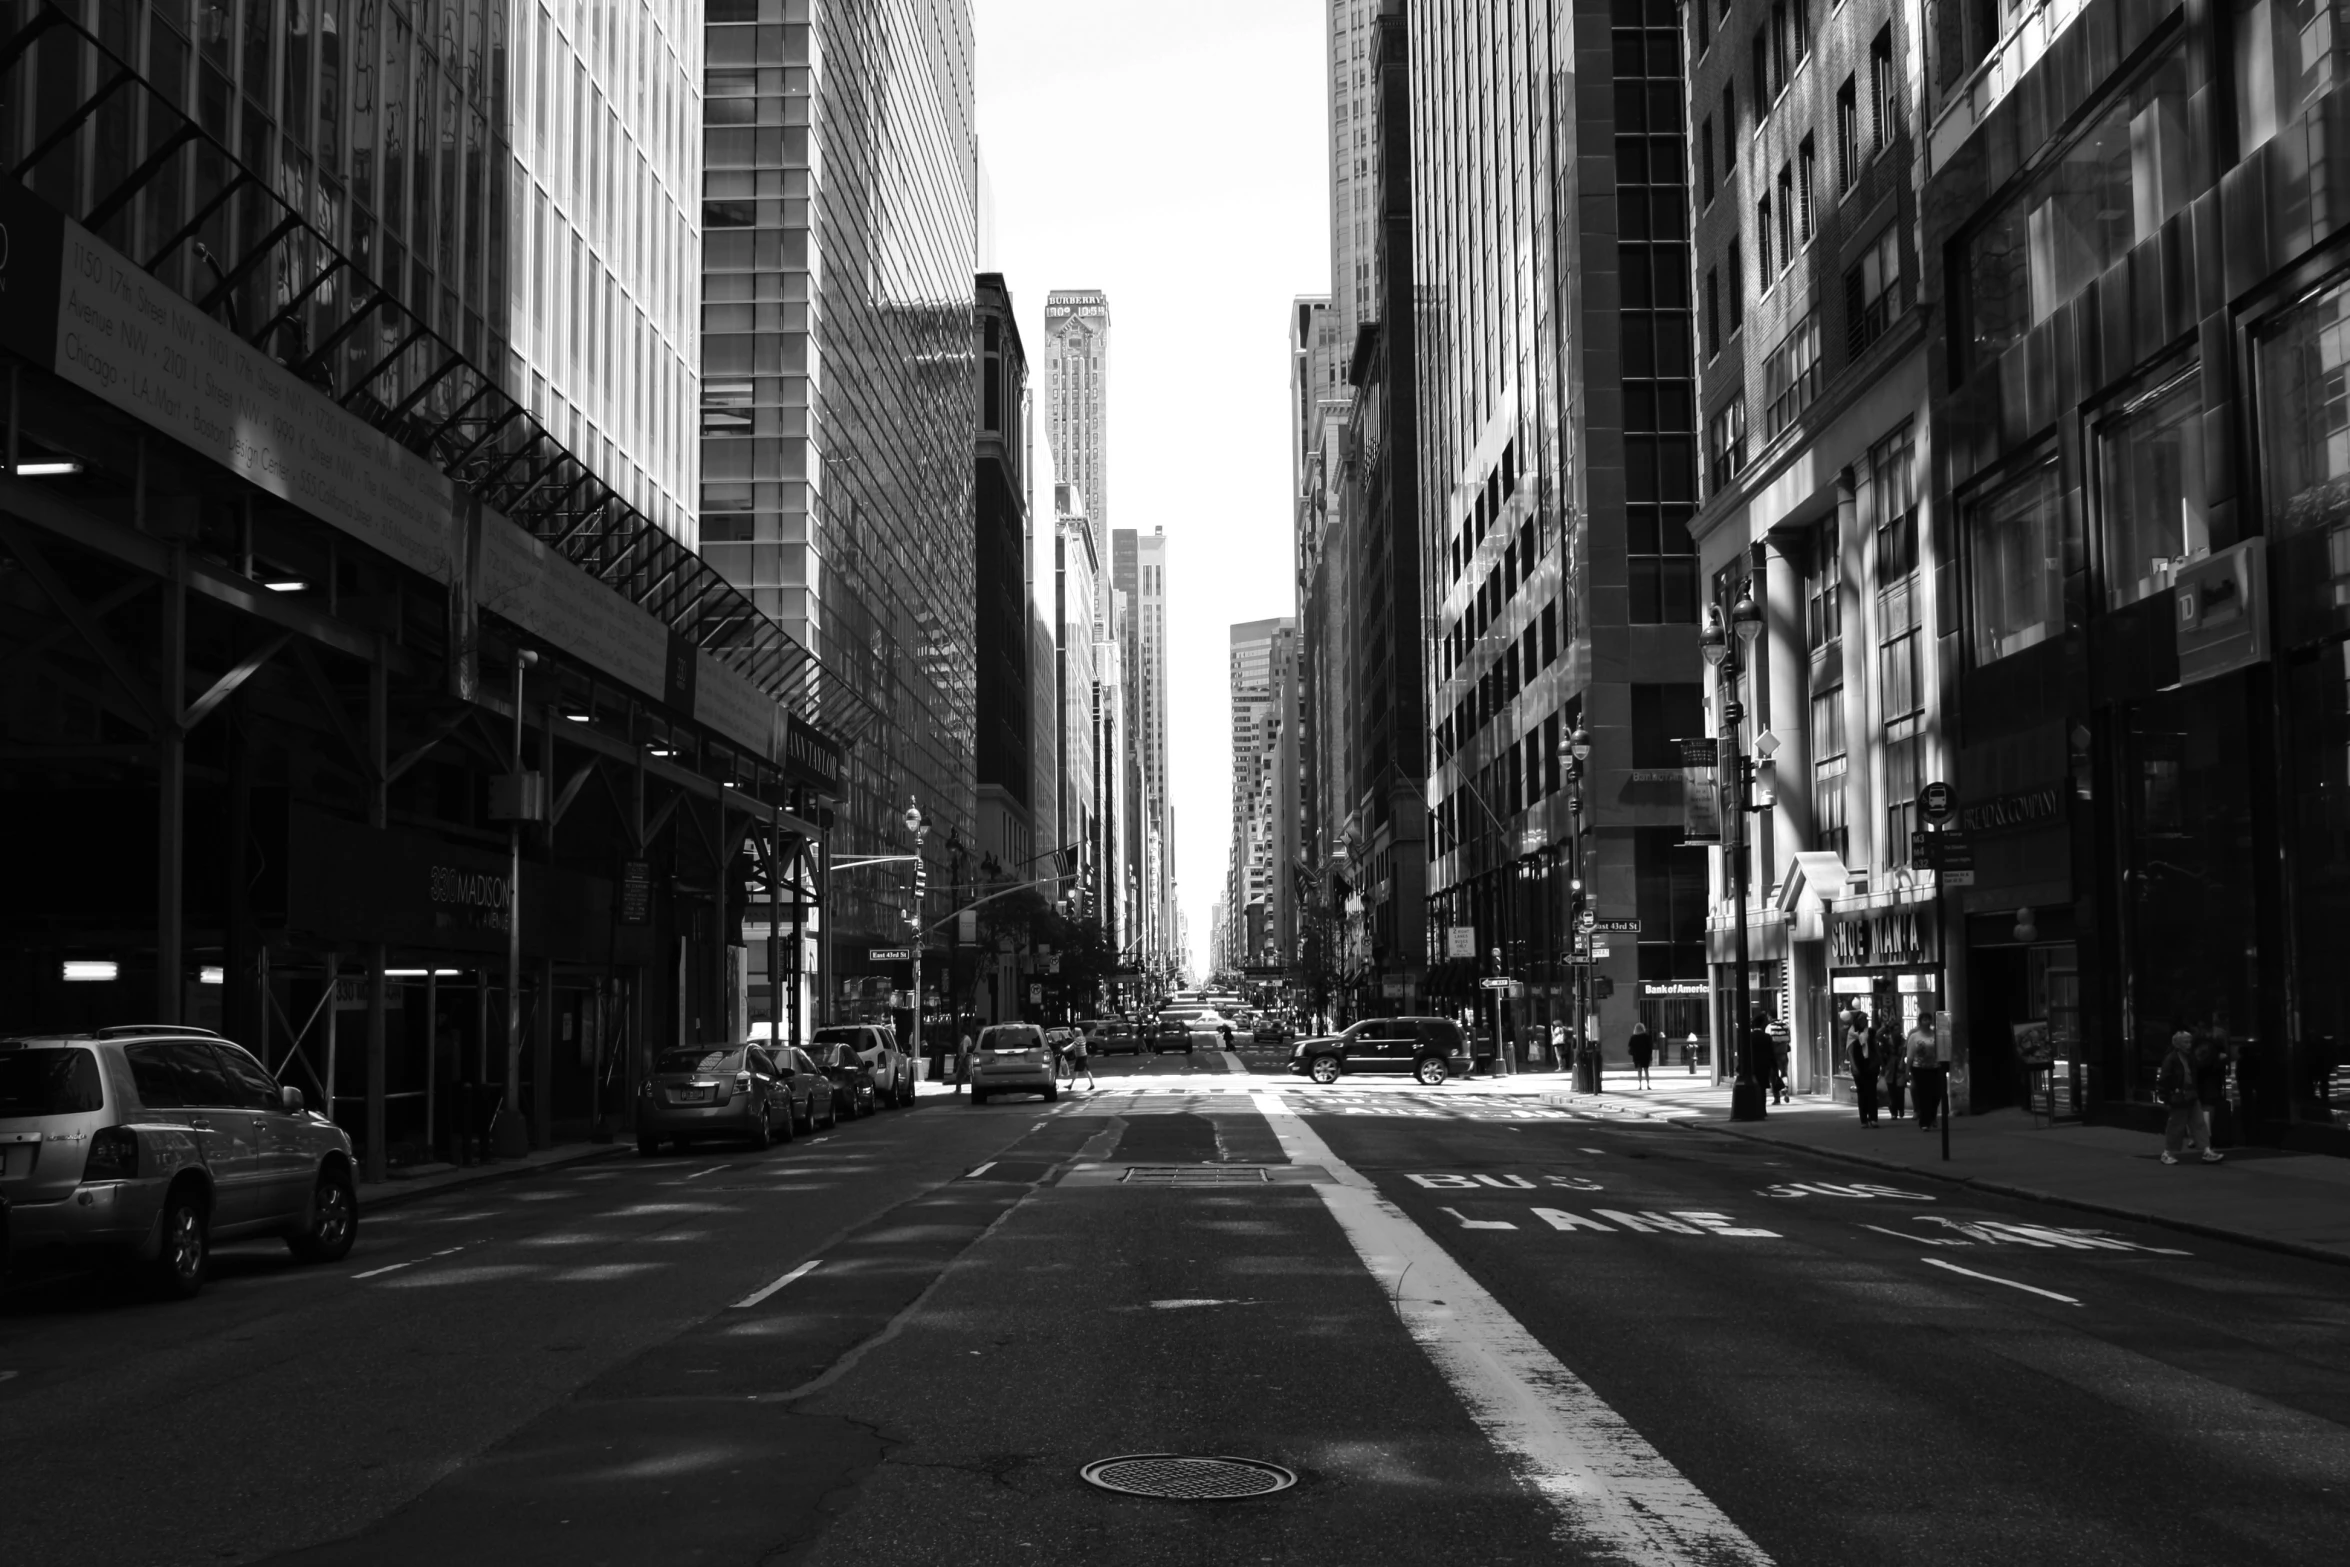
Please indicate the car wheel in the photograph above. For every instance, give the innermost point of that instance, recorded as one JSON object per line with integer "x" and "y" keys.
{"x": 1431, "y": 1071}
{"x": 832, "y": 1113}
{"x": 1324, "y": 1070}
{"x": 178, "y": 1269}
{"x": 762, "y": 1134}
{"x": 334, "y": 1220}
{"x": 1051, "y": 1094}
{"x": 783, "y": 1133}
{"x": 647, "y": 1146}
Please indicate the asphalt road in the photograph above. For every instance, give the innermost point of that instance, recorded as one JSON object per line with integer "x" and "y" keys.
{"x": 1480, "y": 1330}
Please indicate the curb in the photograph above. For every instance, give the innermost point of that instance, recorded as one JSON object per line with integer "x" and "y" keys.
{"x": 400, "y": 1193}
{"x": 1997, "y": 1188}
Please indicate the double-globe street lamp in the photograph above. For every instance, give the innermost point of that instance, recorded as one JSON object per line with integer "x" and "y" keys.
{"x": 1727, "y": 643}
{"x": 1574, "y": 752}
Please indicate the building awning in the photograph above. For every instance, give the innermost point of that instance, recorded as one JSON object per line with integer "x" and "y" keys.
{"x": 1817, "y": 878}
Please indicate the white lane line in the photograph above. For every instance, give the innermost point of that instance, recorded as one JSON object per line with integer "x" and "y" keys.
{"x": 1992, "y": 1278}
{"x": 1615, "y": 1493}
{"x": 758, "y": 1295}
{"x": 982, "y": 1170}
{"x": 1235, "y": 1065}
{"x": 389, "y": 1267}
{"x": 698, "y": 1174}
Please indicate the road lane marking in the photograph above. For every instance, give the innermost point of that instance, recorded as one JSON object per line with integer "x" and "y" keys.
{"x": 389, "y": 1267}
{"x": 972, "y": 1175}
{"x": 698, "y": 1174}
{"x": 1235, "y": 1065}
{"x": 1992, "y": 1278}
{"x": 758, "y": 1295}
{"x": 1479, "y": 1224}
{"x": 1615, "y": 1493}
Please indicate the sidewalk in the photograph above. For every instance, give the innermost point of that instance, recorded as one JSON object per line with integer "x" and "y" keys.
{"x": 426, "y": 1180}
{"x": 2297, "y": 1203}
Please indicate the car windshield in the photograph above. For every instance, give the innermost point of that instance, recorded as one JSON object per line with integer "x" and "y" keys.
{"x": 674, "y": 1062}
{"x": 854, "y": 1038}
{"x": 49, "y": 1082}
{"x": 1011, "y": 1039}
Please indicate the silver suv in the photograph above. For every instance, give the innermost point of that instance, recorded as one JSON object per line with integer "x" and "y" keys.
{"x": 877, "y": 1046}
{"x": 153, "y": 1142}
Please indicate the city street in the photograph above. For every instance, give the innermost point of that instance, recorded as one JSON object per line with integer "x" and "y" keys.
{"x": 1479, "y": 1327}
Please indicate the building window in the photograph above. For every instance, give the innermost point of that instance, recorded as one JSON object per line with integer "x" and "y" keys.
{"x": 1737, "y": 290}
{"x": 1762, "y": 72}
{"x": 2015, "y": 543}
{"x": 1884, "y": 89}
{"x": 1823, "y": 626}
{"x": 1901, "y": 647}
{"x": 1725, "y": 444}
{"x": 2154, "y": 518}
{"x": 1873, "y": 292}
{"x": 1663, "y": 716}
{"x": 2112, "y": 188}
{"x": 1705, "y": 160}
{"x": 1799, "y": 28}
{"x": 1729, "y": 129}
{"x": 2289, "y": 53}
{"x": 1786, "y": 216}
{"x": 1806, "y": 184}
{"x": 1705, "y": 27}
{"x": 1847, "y": 134}
{"x": 1762, "y": 244}
{"x": 1713, "y": 311}
{"x": 1791, "y": 376}
{"x": 2305, "y": 420}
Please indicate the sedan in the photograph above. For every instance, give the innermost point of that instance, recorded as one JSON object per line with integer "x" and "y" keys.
{"x": 853, "y": 1086}
{"x": 1170, "y": 1032}
{"x": 1268, "y": 1031}
{"x": 1012, "y": 1058}
{"x": 1120, "y": 1036}
{"x": 701, "y": 1091}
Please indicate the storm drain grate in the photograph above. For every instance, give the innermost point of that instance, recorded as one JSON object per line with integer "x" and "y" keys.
{"x": 1196, "y": 1175}
{"x": 1175, "y": 1477}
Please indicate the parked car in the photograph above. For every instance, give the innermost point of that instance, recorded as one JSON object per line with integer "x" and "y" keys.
{"x": 1012, "y": 1058}
{"x": 894, "y": 1071}
{"x": 701, "y": 1091}
{"x": 1172, "y": 1031}
{"x": 853, "y": 1085}
{"x": 154, "y": 1142}
{"x": 1429, "y": 1049}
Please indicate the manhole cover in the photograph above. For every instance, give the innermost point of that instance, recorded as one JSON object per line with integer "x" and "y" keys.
{"x": 1196, "y": 1175}
{"x": 1175, "y": 1477}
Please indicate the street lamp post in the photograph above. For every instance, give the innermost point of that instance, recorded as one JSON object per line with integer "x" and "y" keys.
{"x": 917, "y": 829}
{"x": 1726, "y": 644}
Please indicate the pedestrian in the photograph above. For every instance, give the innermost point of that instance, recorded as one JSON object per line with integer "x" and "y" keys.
{"x": 1224, "y": 1029}
{"x": 2211, "y": 1091}
{"x": 1643, "y": 1046}
{"x": 963, "y": 1048}
{"x": 1782, "y": 1042}
{"x": 1864, "y": 1062}
{"x": 1754, "y": 1047}
{"x": 2174, "y": 1085}
{"x": 1885, "y": 1040}
{"x": 1928, "y": 1077}
{"x": 1078, "y": 1059}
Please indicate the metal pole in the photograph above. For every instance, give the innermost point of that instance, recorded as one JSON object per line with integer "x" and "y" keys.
{"x": 1747, "y": 1097}
{"x": 171, "y": 758}
{"x": 334, "y": 974}
{"x": 513, "y": 1105}
{"x": 376, "y": 1003}
{"x": 432, "y": 1055}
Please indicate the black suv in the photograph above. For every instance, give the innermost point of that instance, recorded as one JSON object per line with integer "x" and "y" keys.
{"x": 1429, "y": 1049}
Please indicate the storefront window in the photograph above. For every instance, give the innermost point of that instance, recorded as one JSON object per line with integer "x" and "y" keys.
{"x": 2152, "y": 491}
{"x": 2316, "y": 1082}
{"x": 2112, "y": 188}
{"x": 2305, "y": 437}
{"x": 2015, "y": 535}
{"x": 2288, "y": 53}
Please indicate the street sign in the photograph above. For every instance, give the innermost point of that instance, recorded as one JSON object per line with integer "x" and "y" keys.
{"x": 1460, "y": 941}
{"x": 890, "y": 954}
{"x": 1035, "y": 994}
{"x": 1602, "y": 987}
{"x": 1922, "y": 848}
{"x": 636, "y": 892}
{"x": 1957, "y": 858}
{"x": 1937, "y": 802}
{"x": 1497, "y": 983}
{"x": 1599, "y": 949}
{"x": 1619, "y": 927}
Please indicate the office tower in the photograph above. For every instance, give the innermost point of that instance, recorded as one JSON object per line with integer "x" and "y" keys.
{"x": 1005, "y": 763}
{"x": 1549, "y": 245}
{"x": 1077, "y": 382}
{"x": 1138, "y": 570}
{"x": 1354, "y": 158}
{"x": 838, "y": 399}
{"x": 1320, "y": 408}
{"x": 1076, "y": 678}
{"x": 1262, "y": 651}
{"x": 1813, "y": 398}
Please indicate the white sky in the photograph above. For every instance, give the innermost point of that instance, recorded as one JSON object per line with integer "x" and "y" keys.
{"x": 1172, "y": 157}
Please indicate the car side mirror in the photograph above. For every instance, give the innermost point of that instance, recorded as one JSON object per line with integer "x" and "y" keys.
{"x": 290, "y": 1100}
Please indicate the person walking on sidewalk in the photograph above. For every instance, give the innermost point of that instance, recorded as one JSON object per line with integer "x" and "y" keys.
{"x": 962, "y": 1060}
{"x": 1642, "y": 1044}
{"x": 2211, "y": 1090}
{"x": 1782, "y": 1043}
{"x": 2174, "y": 1085}
{"x": 1864, "y": 1064}
{"x": 1886, "y": 1041}
{"x": 1928, "y": 1077}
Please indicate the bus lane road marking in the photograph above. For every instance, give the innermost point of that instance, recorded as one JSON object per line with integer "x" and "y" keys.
{"x": 1615, "y": 1495}
{"x": 1993, "y": 1278}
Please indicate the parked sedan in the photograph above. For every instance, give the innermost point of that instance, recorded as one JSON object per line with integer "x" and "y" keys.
{"x": 1012, "y": 1058}
{"x": 853, "y": 1087}
{"x": 1429, "y": 1049}
{"x": 700, "y": 1091}
{"x": 154, "y": 1142}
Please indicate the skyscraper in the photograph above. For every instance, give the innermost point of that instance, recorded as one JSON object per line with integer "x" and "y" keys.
{"x": 1262, "y": 652}
{"x": 1005, "y": 761}
{"x": 1077, "y": 382}
{"x": 838, "y": 395}
{"x": 1138, "y": 569}
{"x": 1353, "y": 166}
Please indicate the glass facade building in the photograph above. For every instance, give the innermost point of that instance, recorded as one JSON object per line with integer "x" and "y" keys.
{"x": 840, "y": 388}
{"x": 1558, "y": 472}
